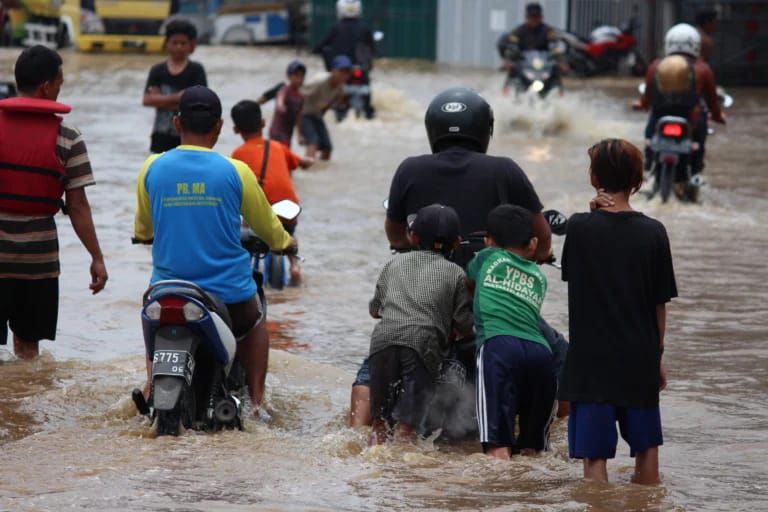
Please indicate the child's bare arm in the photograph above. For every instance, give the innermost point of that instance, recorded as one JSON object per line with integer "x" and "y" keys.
{"x": 154, "y": 98}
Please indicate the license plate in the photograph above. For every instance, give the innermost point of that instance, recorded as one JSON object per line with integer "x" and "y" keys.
{"x": 176, "y": 363}
{"x": 358, "y": 89}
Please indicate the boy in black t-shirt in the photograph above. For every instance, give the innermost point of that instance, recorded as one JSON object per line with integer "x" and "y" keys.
{"x": 167, "y": 81}
{"x": 619, "y": 270}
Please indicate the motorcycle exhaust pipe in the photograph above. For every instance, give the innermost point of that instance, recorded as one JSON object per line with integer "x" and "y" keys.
{"x": 227, "y": 410}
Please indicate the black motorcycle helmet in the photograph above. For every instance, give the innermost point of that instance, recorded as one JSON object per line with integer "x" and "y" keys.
{"x": 459, "y": 115}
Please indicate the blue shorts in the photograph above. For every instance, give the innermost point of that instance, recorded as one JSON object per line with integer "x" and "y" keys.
{"x": 315, "y": 132}
{"x": 515, "y": 378}
{"x": 592, "y": 430}
{"x": 363, "y": 377}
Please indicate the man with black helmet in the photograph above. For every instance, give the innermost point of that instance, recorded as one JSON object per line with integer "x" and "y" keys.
{"x": 534, "y": 34}
{"x": 459, "y": 174}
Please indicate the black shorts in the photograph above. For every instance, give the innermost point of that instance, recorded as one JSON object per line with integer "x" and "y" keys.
{"x": 162, "y": 142}
{"x": 401, "y": 386}
{"x": 316, "y": 133}
{"x": 244, "y": 315}
{"x": 30, "y": 307}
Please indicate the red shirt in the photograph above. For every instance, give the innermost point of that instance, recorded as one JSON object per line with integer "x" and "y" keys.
{"x": 277, "y": 184}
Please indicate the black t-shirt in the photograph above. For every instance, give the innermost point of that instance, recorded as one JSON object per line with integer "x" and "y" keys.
{"x": 472, "y": 183}
{"x": 163, "y": 132}
{"x": 619, "y": 268}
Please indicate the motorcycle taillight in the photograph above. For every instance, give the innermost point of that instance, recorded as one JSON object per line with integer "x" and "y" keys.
{"x": 672, "y": 130}
{"x": 357, "y": 73}
{"x": 172, "y": 311}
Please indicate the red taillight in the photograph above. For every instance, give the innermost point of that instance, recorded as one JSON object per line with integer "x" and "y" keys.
{"x": 357, "y": 73}
{"x": 672, "y": 130}
{"x": 172, "y": 311}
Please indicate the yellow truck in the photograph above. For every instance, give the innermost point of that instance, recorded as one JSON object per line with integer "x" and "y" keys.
{"x": 122, "y": 25}
{"x": 31, "y": 22}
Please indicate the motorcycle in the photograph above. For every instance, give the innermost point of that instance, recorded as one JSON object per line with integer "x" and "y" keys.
{"x": 357, "y": 93}
{"x": 672, "y": 147}
{"x": 536, "y": 73}
{"x": 197, "y": 380}
{"x": 452, "y": 410}
{"x": 608, "y": 49}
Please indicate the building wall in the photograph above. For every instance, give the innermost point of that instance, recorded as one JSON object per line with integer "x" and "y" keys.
{"x": 741, "y": 42}
{"x": 467, "y": 30}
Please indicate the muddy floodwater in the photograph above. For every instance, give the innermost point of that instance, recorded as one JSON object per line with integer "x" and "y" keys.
{"x": 71, "y": 440}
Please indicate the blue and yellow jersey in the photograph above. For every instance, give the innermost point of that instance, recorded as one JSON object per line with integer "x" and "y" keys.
{"x": 190, "y": 200}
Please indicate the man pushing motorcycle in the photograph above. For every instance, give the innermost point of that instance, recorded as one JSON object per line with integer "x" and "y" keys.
{"x": 675, "y": 86}
{"x": 190, "y": 201}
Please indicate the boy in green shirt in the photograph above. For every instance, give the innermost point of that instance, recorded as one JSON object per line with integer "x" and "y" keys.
{"x": 516, "y": 373}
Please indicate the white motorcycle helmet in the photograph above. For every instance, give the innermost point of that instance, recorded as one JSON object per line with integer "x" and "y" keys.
{"x": 349, "y": 9}
{"x": 683, "y": 38}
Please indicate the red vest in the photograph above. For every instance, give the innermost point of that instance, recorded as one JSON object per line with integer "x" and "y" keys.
{"x": 31, "y": 175}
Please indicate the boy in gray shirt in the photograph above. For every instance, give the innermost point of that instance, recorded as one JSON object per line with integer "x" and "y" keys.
{"x": 421, "y": 298}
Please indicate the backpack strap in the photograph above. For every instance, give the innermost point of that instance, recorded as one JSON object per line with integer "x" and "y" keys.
{"x": 263, "y": 172}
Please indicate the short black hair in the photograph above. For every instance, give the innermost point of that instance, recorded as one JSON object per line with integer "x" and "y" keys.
{"x": 705, "y": 16}
{"x": 246, "y": 115}
{"x": 36, "y": 66}
{"x": 533, "y": 9}
{"x": 510, "y": 225}
{"x": 183, "y": 27}
{"x": 198, "y": 125}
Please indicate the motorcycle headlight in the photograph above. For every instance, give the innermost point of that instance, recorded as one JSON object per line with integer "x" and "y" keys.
{"x": 537, "y": 86}
{"x": 537, "y": 63}
{"x": 192, "y": 312}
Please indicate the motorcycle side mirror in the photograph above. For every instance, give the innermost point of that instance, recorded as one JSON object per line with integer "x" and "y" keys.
{"x": 641, "y": 88}
{"x": 378, "y": 35}
{"x": 558, "y": 222}
{"x": 286, "y": 209}
{"x": 385, "y": 204}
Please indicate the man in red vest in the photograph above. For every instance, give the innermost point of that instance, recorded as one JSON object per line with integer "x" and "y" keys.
{"x": 42, "y": 160}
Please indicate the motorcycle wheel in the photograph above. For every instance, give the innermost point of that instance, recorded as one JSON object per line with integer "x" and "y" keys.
{"x": 665, "y": 177}
{"x": 169, "y": 423}
{"x": 277, "y": 270}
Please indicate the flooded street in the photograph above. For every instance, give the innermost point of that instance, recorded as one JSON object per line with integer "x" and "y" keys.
{"x": 70, "y": 438}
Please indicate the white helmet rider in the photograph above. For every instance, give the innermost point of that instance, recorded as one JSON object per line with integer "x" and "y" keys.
{"x": 349, "y": 9}
{"x": 683, "y": 38}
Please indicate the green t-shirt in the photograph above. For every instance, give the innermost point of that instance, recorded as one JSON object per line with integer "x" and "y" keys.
{"x": 509, "y": 291}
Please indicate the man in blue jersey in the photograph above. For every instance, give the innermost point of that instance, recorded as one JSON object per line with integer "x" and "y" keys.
{"x": 190, "y": 200}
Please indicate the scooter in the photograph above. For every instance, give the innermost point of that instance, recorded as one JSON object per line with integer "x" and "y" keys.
{"x": 357, "y": 96}
{"x": 536, "y": 73}
{"x": 672, "y": 147}
{"x": 197, "y": 381}
{"x": 608, "y": 49}
{"x": 452, "y": 411}
{"x": 357, "y": 91}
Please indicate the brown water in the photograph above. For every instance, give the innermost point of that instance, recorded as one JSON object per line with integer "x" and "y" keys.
{"x": 71, "y": 440}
